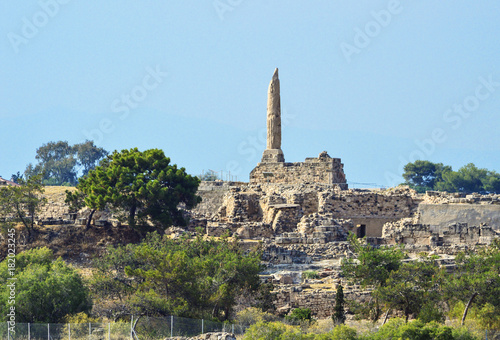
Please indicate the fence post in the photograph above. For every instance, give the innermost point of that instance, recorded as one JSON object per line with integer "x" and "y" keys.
{"x": 232, "y": 328}
{"x": 8, "y": 331}
{"x": 48, "y": 331}
{"x": 69, "y": 331}
{"x": 109, "y": 330}
{"x": 202, "y": 326}
{"x": 29, "y": 331}
{"x": 171, "y": 326}
{"x": 132, "y": 327}
{"x": 90, "y": 330}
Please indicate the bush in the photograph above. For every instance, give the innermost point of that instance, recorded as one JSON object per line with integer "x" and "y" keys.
{"x": 418, "y": 330}
{"x": 252, "y": 315}
{"x": 273, "y": 331}
{"x": 298, "y": 315}
{"x": 79, "y": 318}
{"x": 394, "y": 329}
{"x": 47, "y": 290}
{"x": 341, "y": 332}
{"x": 486, "y": 317}
{"x": 462, "y": 333}
{"x": 430, "y": 312}
{"x": 310, "y": 274}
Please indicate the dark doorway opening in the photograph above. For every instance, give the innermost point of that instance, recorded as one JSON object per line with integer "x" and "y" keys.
{"x": 361, "y": 230}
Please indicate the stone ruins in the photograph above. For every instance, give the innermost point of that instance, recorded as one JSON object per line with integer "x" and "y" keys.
{"x": 273, "y": 169}
{"x": 301, "y": 214}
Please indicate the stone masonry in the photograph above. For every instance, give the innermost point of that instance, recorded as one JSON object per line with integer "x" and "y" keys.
{"x": 324, "y": 170}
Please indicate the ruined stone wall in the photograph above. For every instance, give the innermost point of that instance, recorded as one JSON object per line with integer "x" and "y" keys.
{"x": 368, "y": 208}
{"x": 320, "y": 302}
{"x": 414, "y": 234}
{"x": 245, "y": 230}
{"x": 283, "y": 206}
{"x": 212, "y": 196}
{"x": 365, "y": 204}
{"x": 485, "y": 212}
{"x": 323, "y": 170}
{"x": 305, "y": 253}
{"x": 55, "y": 208}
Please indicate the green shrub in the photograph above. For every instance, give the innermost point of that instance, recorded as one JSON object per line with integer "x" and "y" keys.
{"x": 486, "y": 317}
{"x": 310, "y": 274}
{"x": 252, "y": 315}
{"x": 394, "y": 329}
{"x": 272, "y": 331}
{"x": 418, "y": 330}
{"x": 489, "y": 317}
{"x": 462, "y": 333}
{"x": 341, "y": 332}
{"x": 47, "y": 290}
{"x": 79, "y": 318}
{"x": 430, "y": 312}
{"x": 298, "y": 315}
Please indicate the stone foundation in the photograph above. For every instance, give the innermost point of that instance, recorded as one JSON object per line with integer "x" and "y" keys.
{"x": 430, "y": 236}
{"x": 273, "y": 156}
{"x": 320, "y": 302}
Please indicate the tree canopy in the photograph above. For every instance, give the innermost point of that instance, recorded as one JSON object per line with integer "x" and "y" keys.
{"x": 421, "y": 288}
{"x": 477, "y": 279}
{"x": 47, "y": 290}
{"x": 372, "y": 267}
{"x": 186, "y": 277}
{"x": 143, "y": 184}
{"x": 23, "y": 202}
{"x": 415, "y": 288}
{"x": 425, "y": 175}
{"x": 88, "y": 155}
{"x": 59, "y": 162}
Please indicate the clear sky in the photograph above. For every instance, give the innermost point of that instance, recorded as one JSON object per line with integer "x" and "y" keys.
{"x": 376, "y": 83}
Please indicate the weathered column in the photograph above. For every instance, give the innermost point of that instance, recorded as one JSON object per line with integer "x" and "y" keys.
{"x": 273, "y": 153}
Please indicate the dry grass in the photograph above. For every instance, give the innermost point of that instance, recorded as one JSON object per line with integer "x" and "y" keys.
{"x": 57, "y": 190}
{"x": 321, "y": 326}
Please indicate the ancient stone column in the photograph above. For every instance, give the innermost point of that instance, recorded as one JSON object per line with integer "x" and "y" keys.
{"x": 273, "y": 152}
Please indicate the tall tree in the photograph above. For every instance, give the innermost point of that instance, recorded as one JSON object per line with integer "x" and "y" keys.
{"x": 477, "y": 278}
{"x": 373, "y": 266}
{"x": 16, "y": 177}
{"x": 144, "y": 185}
{"x": 424, "y": 175}
{"x": 470, "y": 178}
{"x": 185, "y": 277}
{"x": 88, "y": 155}
{"x": 57, "y": 162}
{"x": 412, "y": 286}
{"x": 24, "y": 201}
{"x": 338, "y": 311}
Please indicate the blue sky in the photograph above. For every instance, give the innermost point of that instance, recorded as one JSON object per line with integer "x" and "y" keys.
{"x": 376, "y": 83}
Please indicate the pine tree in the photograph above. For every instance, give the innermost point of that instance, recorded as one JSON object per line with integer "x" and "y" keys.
{"x": 338, "y": 311}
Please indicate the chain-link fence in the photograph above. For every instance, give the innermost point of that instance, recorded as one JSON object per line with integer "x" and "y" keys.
{"x": 146, "y": 328}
